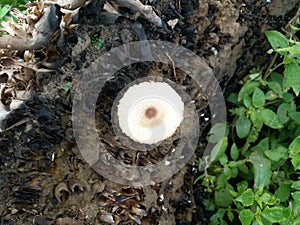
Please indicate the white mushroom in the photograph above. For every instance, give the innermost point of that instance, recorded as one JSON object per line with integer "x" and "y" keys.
{"x": 150, "y": 112}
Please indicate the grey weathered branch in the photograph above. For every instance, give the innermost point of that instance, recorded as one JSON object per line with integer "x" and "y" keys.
{"x": 43, "y": 32}
{"x": 146, "y": 10}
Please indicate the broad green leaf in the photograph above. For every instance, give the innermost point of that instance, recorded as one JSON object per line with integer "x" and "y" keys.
{"x": 234, "y": 152}
{"x": 234, "y": 172}
{"x": 209, "y": 205}
{"x": 221, "y": 181}
{"x": 217, "y": 132}
{"x": 258, "y": 98}
{"x": 295, "y": 116}
{"x": 262, "y": 169}
{"x": 247, "y": 101}
{"x": 294, "y": 50}
{"x": 256, "y": 119}
{"x": 247, "y": 89}
{"x": 243, "y": 126}
{"x": 292, "y": 74}
{"x": 247, "y": 198}
{"x": 223, "y": 197}
{"x": 242, "y": 186}
{"x": 287, "y": 97}
{"x": 275, "y": 87}
{"x": 246, "y": 216}
{"x": 233, "y": 98}
{"x": 296, "y": 221}
{"x": 276, "y": 214}
{"x": 268, "y": 199}
{"x": 276, "y": 39}
{"x": 271, "y": 95}
{"x": 296, "y": 185}
{"x": 223, "y": 159}
{"x": 217, "y": 218}
{"x": 227, "y": 172}
{"x": 280, "y": 152}
{"x": 276, "y": 77}
{"x": 271, "y": 119}
{"x": 282, "y": 112}
{"x": 296, "y": 161}
{"x": 283, "y": 192}
{"x": 296, "y": 196}
{"x": 263, "y": 145}
{"x": 218, "y": 150}
{"x": 296, "y": 205}
{"x": 295, "y": 145}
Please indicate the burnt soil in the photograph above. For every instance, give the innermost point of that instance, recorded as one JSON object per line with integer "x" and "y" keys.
{"x": 42, "y": 176}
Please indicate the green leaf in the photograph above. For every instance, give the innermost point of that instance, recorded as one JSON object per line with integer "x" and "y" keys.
{"x": 295, "y": 116}
{"x": 296, "y": 196}
{"x": 242, "y": 186}
{"x": 276, "y": 39}
{"x": 234, "y": 152}
{"x": 233, "y": 98}
{"x": 276, "y": 214}
{"x": 270, "y": 119}
{"x": 280, "y": 152}
{"x": 294, "y": 147}
{"x": 296, "y": 185}
{"x": 217, "y": 218}
{"x": 217, "y": 132}
{"x": 247, "y": 89}
{"x": 262, "y": 169}
{"x": 230, "y": 215}
{"x": 283, "y": 192}
{"x": 247, "y": 101}
{"x": 246, "y": 216}
{"x": 209, "y": 205}
{"x": 282, "y": 113}
{"x": 67, "y": 86}
{"x": 223, "y": 197}
{"x": 296, "y": 161}
{"x": 292, "y": 74}
{"x": 287, "y": 97}
{"x": 256, "y": 119}
{"x": 247, "y": 198}
{"x": 243, "y": 126}
{"x": 3, "y": 11}
{"x": 271, "y": 95}
{"x": 258, "y": 98}
{"x": 221, "y": 181}
{"x": 275, "y": 87}
{"x": 268, "y": 199}
{"x": 293, "y": 50}
{"x": 218, "y": 150}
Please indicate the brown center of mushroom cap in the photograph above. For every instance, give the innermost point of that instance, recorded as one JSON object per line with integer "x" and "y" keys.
{"x": 151, "y": 112}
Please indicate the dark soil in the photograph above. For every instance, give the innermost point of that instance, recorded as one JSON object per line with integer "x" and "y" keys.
{"x": 43, "y": 177}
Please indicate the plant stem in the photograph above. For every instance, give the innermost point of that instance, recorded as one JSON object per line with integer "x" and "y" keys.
{"x": 269, "y": 70}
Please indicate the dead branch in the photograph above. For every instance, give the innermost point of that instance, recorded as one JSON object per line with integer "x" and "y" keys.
{"x": 146, "y": 10}
{"x": 43, "y": 32}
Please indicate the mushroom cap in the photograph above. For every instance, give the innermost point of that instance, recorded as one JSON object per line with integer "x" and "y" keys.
{"x": 150, "y": 112}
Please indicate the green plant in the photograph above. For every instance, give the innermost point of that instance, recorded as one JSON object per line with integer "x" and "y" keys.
{"x": 97, "y": 41}
{"x": 4, "y": 10}
{"x": 253, "y": 173}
